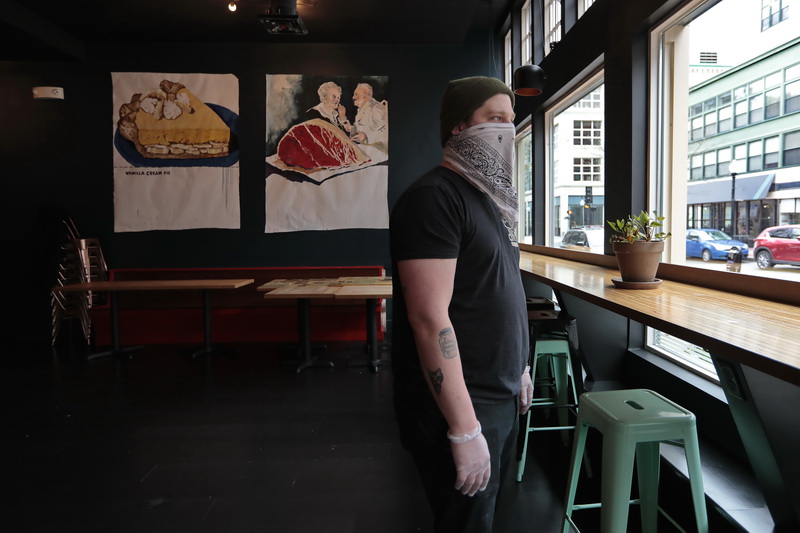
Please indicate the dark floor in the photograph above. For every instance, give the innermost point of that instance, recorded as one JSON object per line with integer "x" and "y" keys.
{"x": 155, "y": 444}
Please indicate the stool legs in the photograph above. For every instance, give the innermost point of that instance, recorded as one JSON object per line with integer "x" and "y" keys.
{"x": 648, "y": 463}
{"x": 692, "y": 450}
{"x": 551, "y": 369}
{"x": 578, "y": 447}
{"x": 633, "y": 425}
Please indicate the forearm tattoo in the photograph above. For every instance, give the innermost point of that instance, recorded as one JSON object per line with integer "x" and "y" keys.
{"x": 436, "y": 378}
{"x": 447, "y": 343}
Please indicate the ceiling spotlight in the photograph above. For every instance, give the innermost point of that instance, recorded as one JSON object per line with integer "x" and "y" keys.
{"x": 232, "y": 7}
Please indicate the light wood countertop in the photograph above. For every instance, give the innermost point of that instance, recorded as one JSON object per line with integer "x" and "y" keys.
{"x": 755, "y": 332}
{"x": 155, "y": 285}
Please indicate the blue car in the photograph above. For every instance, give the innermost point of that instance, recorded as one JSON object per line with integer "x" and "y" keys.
{"x": 711, "y": 244}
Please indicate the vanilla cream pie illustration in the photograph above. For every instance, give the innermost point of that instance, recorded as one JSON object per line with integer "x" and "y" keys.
{"x": 172, "y": 123}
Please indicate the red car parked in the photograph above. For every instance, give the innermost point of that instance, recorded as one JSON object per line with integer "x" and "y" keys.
{"x": 778, "y": 245}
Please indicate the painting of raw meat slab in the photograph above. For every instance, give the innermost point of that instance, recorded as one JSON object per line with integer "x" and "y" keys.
{"x": 327, "y": 152}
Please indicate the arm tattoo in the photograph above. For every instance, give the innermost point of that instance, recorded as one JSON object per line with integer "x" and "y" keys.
{"x": 436, "y": 377}
{"x": 447, "y": 343}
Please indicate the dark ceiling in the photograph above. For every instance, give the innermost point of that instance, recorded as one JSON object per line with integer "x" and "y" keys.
{"x": 57, "y": 29}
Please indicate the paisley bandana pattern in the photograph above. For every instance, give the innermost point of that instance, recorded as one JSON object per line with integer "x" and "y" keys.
{"x": 484, "y": 154}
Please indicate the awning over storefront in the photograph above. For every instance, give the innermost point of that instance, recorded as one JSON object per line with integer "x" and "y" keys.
{"x": 719, "y": 190}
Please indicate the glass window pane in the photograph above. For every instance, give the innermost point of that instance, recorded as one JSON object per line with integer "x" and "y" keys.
{"x": 574, "y": 167}
{"x": 752, "y": 100}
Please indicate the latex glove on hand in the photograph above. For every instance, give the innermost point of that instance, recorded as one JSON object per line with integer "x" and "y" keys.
{"x": 526, "y": 392}
{"x": 473, "y": 466}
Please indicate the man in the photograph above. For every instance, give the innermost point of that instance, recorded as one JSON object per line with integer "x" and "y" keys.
{"x": 460, "y": 341}
{"x": 329, "y": 108}
{"x": 370, "y": 123}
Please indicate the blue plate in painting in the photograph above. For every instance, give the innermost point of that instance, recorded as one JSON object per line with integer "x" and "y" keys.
{"x": 128, "y": 150}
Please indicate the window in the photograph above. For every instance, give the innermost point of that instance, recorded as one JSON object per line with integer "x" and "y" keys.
{"x": 710, "y": 164}
{"x": 574, "y": 170}
{"x": 507, "y": 59}
{"x": 791, "y": 148}
{"x": 524, "y": 184}
{"x": 792, "y": 97}
{"x": 724, "y": 123}
{"x": 771, "y": 152}
{"x": 754, "y": 161}
{"x": 773, "y": 12}
{"x": 586, "y": 169}
{"x": 772, "y": 106}
{"x": 526, "y": 40}
{"x": 583, "y": 5}
{"x": 587, "y": 132}
{"x": 552, "y": 18}
{"x": 736, "y": 113}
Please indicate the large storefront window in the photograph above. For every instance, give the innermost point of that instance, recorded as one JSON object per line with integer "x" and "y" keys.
{"x": 524, "y": 184}
{"x": 717, "y": 168}
{"x": 575, "y": 176}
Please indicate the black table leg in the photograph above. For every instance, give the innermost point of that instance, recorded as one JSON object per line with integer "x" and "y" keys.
{"x": 304, "y": 328}
{"x": 207, "y": 349}
{"x": 116, "y": 349}
{"x": 374, "y": 360}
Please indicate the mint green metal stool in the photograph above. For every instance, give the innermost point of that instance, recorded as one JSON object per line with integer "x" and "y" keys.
{"x": 553, "y": 380}
{"x": 633, "y": 423}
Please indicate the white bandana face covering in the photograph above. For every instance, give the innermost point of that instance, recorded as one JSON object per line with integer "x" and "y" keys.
{"x": 484, "y": 155}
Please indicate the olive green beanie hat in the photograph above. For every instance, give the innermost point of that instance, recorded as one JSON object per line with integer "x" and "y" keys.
{"x": 465, "y": 95}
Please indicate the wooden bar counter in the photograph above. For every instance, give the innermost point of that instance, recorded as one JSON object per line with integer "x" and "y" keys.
{"x": 755, "y": 332}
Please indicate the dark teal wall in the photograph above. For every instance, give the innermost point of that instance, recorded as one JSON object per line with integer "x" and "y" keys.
{"x": 57, "y": 156}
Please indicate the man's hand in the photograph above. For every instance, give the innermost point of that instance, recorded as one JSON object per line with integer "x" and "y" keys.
{"x": 525, "y": 393}
{"x": 473, "y": 466}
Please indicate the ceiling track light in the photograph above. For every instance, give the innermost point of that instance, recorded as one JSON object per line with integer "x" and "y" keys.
{"x": 529, "y": 80}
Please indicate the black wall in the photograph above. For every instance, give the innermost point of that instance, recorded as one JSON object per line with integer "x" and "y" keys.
{"x": 57, "y": 156}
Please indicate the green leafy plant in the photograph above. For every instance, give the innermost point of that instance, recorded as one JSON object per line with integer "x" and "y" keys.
{"x": 641, "y": 227}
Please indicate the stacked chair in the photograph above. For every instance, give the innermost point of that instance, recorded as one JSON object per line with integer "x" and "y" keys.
{"x": 81, "y": 261}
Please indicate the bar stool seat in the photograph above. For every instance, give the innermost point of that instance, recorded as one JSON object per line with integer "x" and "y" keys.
{"x": 633, "y": 423}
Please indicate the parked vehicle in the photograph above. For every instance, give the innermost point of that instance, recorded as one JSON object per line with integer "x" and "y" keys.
{"x": 778, "y": 245}
{"x": 711, "y": 244}
{"x": 585, "y": 239}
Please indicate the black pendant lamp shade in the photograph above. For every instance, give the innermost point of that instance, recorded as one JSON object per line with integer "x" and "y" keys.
{"x": 529, "y": 80}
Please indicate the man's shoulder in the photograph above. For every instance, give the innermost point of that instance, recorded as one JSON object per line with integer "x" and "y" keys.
{"x": 437, "y": 177}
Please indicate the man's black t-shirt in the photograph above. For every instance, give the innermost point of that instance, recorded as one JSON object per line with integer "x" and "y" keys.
{"x": 442, "y": 216}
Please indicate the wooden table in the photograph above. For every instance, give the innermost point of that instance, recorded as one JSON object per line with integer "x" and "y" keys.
{"x": 113, "y": 287}
{"x": 370, "y": 289}
{"x": 302, "y": 290}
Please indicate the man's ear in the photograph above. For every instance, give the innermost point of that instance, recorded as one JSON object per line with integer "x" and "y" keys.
{"x": 458, "y": 128}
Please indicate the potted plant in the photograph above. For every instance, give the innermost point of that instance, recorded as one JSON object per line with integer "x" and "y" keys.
{"x": 638, "y": 243}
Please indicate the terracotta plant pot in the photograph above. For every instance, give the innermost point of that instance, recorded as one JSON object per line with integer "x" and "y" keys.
{"x": 638, "y": 261}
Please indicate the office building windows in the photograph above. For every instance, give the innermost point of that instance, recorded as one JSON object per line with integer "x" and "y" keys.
{"x": 754, "y": 152}
{"x": 587, "y": 132}
{"x": 773, "y": 12}
{"x": 772, "y": 103}
{"x": 772, "y": 147}
{"x": 586, "y": 169}
{"x": 792, "y": 97}
{"x": 725, "y": 119}
{"x": 791, "y": 148}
